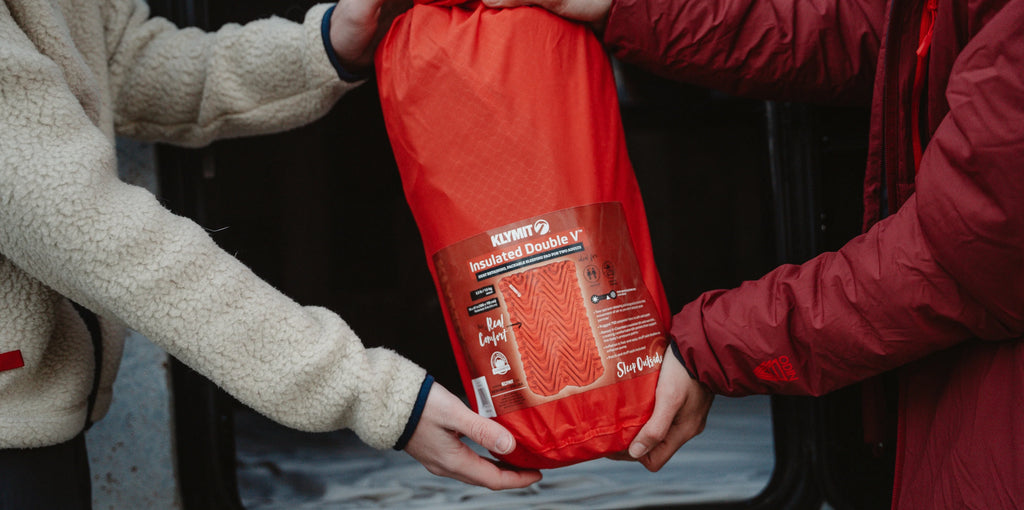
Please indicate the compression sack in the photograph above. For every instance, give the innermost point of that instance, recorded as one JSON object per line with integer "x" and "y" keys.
{"x": 506, "y": 130}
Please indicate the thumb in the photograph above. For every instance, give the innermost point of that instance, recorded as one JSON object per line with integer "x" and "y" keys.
{"x": 656, "y": 428}
{"x": 484, "y": 431}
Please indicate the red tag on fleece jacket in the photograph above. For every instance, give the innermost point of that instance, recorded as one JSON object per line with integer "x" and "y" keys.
{"x": 11, "y": 360}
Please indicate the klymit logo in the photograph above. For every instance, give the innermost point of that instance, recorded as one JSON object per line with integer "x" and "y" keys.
{"x": 539, "y": 227}
{"x": 776, "y": 370}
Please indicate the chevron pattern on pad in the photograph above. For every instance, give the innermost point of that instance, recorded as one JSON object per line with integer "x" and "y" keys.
{"x": 551, "y": 328}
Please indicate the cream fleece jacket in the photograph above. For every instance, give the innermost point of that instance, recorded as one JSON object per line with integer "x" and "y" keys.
{"x": 73, "y": 73}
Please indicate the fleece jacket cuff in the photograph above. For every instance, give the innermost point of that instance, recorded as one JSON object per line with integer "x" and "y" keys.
{"x": 417, "y": 411}
{"x": 325, "y": 34}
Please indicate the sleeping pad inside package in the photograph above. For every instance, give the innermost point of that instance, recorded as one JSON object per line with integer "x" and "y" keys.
{"x": 505, "y": 126}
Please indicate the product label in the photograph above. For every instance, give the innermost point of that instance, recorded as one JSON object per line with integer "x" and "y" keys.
{"x": 549, "y": 307}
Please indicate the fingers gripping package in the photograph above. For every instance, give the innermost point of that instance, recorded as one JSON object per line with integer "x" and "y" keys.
{"x": 506, "y": 129}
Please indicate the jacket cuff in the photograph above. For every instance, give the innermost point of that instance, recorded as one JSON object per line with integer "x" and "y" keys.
{"x": 417, "y": 411}
{"x": 674, "y": 346}
{"x": 325, "y": 35}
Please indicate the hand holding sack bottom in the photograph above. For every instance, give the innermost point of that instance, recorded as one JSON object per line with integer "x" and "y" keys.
{"x": 506, "y": 129}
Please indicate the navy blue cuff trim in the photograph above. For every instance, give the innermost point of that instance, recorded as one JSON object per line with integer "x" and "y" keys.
{"x": 325, "y": 35}
{"x": 679, "y": 356}
{"x": 417, "y": 411}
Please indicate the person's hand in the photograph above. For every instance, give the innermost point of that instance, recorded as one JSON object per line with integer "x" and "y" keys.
{"x": 357, "y": 26}
{"x": 681, "y": 406}
{"x": 594, "y": 12}
{"x": 436, "y": 444}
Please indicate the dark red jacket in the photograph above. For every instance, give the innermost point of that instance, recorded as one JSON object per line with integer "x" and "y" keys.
{"x": 937, "y": 287}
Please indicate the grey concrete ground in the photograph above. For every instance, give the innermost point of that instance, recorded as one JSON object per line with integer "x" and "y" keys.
{"x": 281, "y": 469}
{"x": 130, "y": 455}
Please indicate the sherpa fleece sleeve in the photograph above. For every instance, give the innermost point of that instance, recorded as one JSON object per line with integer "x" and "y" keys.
{"x": 188, "y": 87}
{"x": 69, "y": 222}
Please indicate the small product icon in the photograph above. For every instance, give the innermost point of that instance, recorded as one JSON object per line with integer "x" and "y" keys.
{"x": 499, "y": 363}
{"x": 597, "y": 298}
{"x": 609, "y": 272}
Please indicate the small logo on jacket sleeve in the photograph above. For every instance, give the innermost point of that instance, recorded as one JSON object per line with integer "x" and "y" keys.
{"x": 776, "y": 370}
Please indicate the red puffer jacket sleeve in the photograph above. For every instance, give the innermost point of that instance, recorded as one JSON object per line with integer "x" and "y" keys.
{"x": 822, "y": 50}
{"x": 948, "y": 266}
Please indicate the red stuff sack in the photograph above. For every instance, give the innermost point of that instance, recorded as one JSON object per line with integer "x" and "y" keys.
{"x": 506, "y": 129}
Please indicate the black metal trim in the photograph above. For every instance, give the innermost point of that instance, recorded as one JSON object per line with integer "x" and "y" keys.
{"x": 796, "y": 137}
{"x": 92, "y": 323}
{"x": 205, "y": 442}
